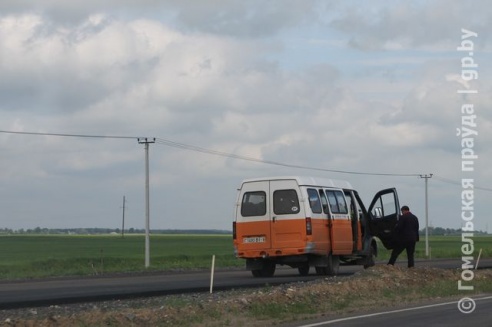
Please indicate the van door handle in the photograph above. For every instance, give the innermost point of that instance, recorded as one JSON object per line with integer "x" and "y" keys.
{"x": 274, "y": 218}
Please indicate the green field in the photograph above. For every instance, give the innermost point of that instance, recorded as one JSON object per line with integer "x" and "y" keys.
{"x": 41, "y": 256}
{"x": 445, "y": 247}
{"x": 32, "y": 256}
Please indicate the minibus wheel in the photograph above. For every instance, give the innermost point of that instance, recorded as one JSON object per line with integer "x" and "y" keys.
{"x": 256, "y": 272}
{"x": 303, "y": 269}
{"x": 268, "y": 270}
{"x": 332, "y": 267}
{"x": 371, "y": 258}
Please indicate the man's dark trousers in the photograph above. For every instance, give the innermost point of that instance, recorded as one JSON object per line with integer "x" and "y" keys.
{"x": 409, "y": 246}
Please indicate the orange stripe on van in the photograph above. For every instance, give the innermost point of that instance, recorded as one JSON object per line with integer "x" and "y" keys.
{"x": 271, "y": 238}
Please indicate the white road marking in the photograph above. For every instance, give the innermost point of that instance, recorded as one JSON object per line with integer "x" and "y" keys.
{"x": 329, "y": 322}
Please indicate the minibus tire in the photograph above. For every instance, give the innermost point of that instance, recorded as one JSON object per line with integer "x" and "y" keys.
{"x": 304, "y": 269}
{"x": 268, "y": 269}
{"x": 333, "y": 265}
{"x": 371, "y": 258}
{"x": 331, "y": 268}
{"x": 256, "y": 272}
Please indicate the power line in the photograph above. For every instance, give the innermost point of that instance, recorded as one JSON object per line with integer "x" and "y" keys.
{"x": 450, "y": 181}
{"x": 214, "y": 152}
{"x": 447, "y": 180}
{"x": 239, "y": 157}
{"x": 276, "y": 163}
{"x": 71, "y": 135}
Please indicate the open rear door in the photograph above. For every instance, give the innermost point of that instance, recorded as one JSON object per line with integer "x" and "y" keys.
{"x": 383, "y": 215}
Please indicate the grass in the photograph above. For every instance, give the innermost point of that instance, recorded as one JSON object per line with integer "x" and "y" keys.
{"x": 29, "y": 256}
{"x": 399, "y": 289}
{"x": 349, "y": 296}
{"x": 443, "y": 247}
{"x": 36, "y": 256}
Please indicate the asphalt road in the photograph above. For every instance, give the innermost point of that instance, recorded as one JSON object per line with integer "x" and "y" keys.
{"x": 44, "y": 292}
{"x": 443, "y": 314}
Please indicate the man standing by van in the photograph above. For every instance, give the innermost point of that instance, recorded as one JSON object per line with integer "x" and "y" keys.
{"x": 406, "y": 234}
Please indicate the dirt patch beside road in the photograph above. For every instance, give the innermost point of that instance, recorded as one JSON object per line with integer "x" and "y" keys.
{"x": 375, "y": 288}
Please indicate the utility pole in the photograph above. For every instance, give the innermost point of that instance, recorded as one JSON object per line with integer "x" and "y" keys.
{"x": 147, "y": 202}
{"x": 123, "y": 222}
{"x": 426, "y": 177}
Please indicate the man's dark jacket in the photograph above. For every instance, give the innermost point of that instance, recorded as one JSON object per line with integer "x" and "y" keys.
{"x": 407, "y": 228}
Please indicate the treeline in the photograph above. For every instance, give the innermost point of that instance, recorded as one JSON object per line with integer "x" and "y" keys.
{"x": 95, "y": 231}
{"x": 439, "y": 231}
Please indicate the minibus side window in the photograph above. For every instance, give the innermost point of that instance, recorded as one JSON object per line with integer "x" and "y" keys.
{"x": 337, "y": 202}
{"x": 324, "y": 201}
{"x": 253, "y": 204}
{"x": 314, "y": 201}
{"x": 285, "y": 202}
{"x": 351, "y": 205}
{"x": 333, "y": 201}
{"x": 342, "y": 205}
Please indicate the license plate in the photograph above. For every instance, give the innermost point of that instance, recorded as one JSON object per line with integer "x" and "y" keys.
{"x": 259, "y": 239}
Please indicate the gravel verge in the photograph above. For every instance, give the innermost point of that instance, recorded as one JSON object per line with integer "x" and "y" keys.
{"x": 380, "y": 286}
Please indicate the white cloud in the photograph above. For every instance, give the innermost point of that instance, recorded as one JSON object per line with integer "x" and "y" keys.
{"x": 397, "y": 25}
{"x": 220, "y": 82}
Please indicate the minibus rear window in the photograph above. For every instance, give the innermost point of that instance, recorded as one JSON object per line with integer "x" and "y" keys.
{"x": 285, "y": 202}
{"x": 253, "y": 204}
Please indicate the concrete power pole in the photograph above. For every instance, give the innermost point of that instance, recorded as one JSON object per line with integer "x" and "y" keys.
{"x": 123, "y": 221}
{"x": 426, "y": 177}
{"x": 147, "y": 201}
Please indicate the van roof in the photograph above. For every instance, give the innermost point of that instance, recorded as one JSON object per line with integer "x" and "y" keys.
{"x": 306, "y": 181}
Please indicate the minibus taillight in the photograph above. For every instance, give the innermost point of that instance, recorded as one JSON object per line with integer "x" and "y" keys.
{"x": 309, "y": 226}
{"x": 233, "y": 230}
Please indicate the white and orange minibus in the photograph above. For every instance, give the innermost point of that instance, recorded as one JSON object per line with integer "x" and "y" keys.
{"x": 305, "y": 222}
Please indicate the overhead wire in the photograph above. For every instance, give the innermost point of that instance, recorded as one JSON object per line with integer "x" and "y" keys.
{"x": 459, "y": 183}
{"x": 69, "y": 135}
{"x": 270, "y": 162}
{"x": 189, "y": 147}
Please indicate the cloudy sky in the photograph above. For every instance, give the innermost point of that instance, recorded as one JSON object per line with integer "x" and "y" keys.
{"x": 331, "y": 85}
